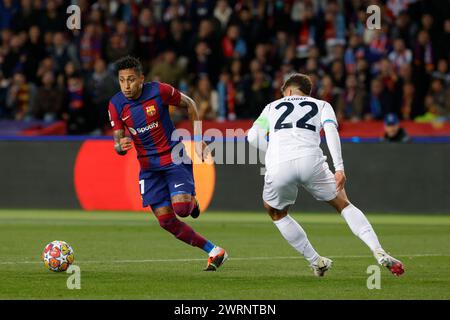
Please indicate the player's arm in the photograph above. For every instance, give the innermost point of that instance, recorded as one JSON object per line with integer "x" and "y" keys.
{"x": 188, "y": 103}
{"x": 329, "y": 124}
{"x": 257, "y": 135}
{"x": 121, "y": 143}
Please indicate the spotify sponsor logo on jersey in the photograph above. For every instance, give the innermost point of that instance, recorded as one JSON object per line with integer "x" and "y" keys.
{"x": 151, "y": 126}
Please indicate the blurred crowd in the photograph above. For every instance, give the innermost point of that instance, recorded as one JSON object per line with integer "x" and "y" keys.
{"x": 230, "y": 56}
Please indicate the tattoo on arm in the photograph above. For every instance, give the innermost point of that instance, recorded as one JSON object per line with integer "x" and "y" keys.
{"x": 119, "y": 134}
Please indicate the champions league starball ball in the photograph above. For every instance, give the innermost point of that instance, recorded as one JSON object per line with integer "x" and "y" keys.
{"x": 57, "y": 256}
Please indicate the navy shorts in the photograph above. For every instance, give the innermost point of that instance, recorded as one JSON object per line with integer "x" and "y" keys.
{"x": 157, "y": 186}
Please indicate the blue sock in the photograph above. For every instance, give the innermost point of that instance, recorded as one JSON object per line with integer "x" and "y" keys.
{"x": 208, "y": 246}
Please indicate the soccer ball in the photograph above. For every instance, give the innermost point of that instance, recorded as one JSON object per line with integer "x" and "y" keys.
{"x": 57, "y": 256}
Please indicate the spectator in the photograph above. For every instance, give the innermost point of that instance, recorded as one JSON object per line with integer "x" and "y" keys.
{"x": 8, "y": 8}
{"x": 443, "y": 49}
{"x": 442, "y": 72}
{"x": 393, "y": 132}
{"x": 34, "y": 53}
{"x": 4, "y": 85}
{"x": 59, "y": 51}
{"x": 47, "y": 64}
{"x": 226, "y": 97}
{"x": 440, "y": 97}
{"x": 177, "y": 39}
{"x": 409, "y": 106}
{"x": 149, "y": 37}
{"x": 400, "y": 55}
{"x": 20, "y": 97}
{"x": 222, "y": 12}
{"x": 48, "y": 105}
{"x": 337, "y": 72}
{"x": 379, "y": 101}
{"x": 101, "y": 86}
{"x": 52, "y": 18}
{"x": 424, "y": 52}
{"x": 25, "y": 17}
{"x": 78, "y": 115}
{"x": 126, "y": 37}
{"x": 175, "y": 10}
{"x": 328, "y": 92}
{"x": 354, "y": 51}
{"x": 258, "y": 95}
{"x": 167, "y": 70}
{"x": 233, "y": 46}
{"x": 202, "y": 62}
{"x": 351, "y": 104}
{"x": 69, "y": 70}
{"x": 90, "y": 47}
{"x": 403, "y": 29}
{"x": 206, "y": 99}
{"x": 14, "y": 57}
{"x": 200, "y": 9}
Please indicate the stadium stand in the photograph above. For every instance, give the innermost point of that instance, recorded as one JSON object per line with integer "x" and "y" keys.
{"x": 230, "y": 56}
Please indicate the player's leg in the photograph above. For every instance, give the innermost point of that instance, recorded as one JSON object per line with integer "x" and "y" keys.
{"x": 280, "y": 191}
{"x": 155, "y": 194}
{"x": 322, "y": 185}
{"x": 180, "y": 181}
{"x": 182, "y": 231}
{"x": 361, "y": 227}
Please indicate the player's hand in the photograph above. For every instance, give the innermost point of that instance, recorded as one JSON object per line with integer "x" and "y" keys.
{"x": 340, "y": 180}
{"x": 125, "y": 144}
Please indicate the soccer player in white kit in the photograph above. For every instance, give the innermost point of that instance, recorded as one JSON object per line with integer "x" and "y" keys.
{"x": 294, "y": 158}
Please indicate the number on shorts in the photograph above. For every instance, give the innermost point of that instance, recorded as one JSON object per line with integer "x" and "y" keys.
{"x": 301, "y": 123}
{"x": 141, "y": 184}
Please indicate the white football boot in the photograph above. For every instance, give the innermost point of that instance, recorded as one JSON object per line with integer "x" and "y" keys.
{"x": 322, "y": 265}
{"x": 394, "y": 265}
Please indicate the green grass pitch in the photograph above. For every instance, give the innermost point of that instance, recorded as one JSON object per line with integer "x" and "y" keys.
{"x": 126, "y": 255}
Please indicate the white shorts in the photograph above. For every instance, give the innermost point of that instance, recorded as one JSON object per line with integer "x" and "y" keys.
{"x": 281, "y": 181}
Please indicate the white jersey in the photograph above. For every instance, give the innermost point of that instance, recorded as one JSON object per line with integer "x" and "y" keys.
{"x": 294, "y": 124}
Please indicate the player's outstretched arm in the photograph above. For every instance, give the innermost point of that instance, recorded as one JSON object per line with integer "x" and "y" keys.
{"x": 334, "y": 145}
{"x": 187, "y": 102}
{"x": 256, "y": 137}
{"x": 121, "y": 143}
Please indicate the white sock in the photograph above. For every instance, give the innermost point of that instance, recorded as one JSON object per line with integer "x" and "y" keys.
{"x": 360, "y": 226}
{"x": 296, "y": 236}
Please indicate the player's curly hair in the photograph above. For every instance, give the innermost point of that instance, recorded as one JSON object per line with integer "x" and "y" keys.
{"x": 299, "y": 81}
{"x": 128, "y": 62}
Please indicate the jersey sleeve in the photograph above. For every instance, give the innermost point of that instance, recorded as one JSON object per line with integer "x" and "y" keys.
{"x": 328, "y": 115}
{"x": 169, "y": 95}
{"x": 263, "y": 120}
{"x": 114, "y": 117}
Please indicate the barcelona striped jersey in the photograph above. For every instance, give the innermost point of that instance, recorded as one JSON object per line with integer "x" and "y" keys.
{"x": 148, "y": 121}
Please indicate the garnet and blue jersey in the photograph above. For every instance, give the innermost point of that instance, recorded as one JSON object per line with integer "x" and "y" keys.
{"x": 148, "y": 120}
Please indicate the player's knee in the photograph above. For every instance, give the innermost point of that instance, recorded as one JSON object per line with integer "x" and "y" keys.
{"x": 182, "y": 209}
{"x": 276, "y": 214}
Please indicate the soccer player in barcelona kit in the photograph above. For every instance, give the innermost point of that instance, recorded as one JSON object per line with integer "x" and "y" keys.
{"x": 167, "y": 186}
{"x": 294, "y": 158}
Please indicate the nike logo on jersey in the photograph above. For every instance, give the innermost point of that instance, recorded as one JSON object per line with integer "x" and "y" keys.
{"x": 179, "y": 185}
{"x": 125, "y": 119}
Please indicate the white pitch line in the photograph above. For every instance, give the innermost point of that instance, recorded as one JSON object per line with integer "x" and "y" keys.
{"x": 236, "y": 259}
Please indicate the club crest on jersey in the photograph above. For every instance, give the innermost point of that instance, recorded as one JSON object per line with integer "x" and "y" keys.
{"x": 150, "y": 110}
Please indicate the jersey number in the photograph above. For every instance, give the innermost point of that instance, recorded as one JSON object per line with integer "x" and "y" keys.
{"x": 301, "y": 123}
